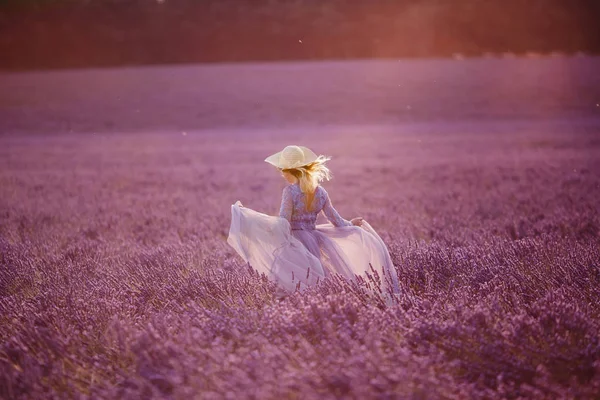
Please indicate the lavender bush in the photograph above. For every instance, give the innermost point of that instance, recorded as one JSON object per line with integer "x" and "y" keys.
{"x": 116, "y": 280}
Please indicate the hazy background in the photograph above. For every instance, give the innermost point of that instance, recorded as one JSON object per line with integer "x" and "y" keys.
{"x": 184, "y": 65}
{"x": 556, "y": 92}
{"x": 82, "y": 33}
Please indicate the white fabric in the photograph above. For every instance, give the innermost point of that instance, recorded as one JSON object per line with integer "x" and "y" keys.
{"x": 269, "y": 245}
{"x": 266, "y": 244}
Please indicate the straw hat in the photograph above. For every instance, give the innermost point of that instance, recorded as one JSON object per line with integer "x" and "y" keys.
{"x": 292, "y": 157}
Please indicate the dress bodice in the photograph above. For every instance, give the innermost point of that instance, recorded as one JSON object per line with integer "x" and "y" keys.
{"x": 293, "y": 208}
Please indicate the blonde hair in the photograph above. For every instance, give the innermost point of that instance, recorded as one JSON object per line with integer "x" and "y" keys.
{"x": 311, "y": 174}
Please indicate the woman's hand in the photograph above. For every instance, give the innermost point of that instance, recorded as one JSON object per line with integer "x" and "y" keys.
{"x": 357, "y": 221}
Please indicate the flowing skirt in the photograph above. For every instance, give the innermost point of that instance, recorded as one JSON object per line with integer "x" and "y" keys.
{"x": 296, "y": 259}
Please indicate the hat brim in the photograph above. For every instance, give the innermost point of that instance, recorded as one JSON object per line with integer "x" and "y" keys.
{"x": 309, "y": 157}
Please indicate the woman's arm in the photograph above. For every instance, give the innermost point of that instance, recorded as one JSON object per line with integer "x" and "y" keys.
{"x": 287, "y": 204}
{"x": 332, "y": 215}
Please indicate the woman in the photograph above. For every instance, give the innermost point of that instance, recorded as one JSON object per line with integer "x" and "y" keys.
{"x": 295, "y": 252}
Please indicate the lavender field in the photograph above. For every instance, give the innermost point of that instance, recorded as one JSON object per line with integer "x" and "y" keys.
{"x": 116, "y": 280}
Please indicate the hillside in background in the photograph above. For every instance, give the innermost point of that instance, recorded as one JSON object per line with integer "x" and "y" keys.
{"x": 39, "y": 34}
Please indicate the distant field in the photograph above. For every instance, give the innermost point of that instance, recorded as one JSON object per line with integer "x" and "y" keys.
{"x": 116, "y": 280}
{"x": 300, "y": 94}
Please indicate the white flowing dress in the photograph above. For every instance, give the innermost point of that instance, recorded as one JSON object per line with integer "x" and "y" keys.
{"x": 295, "y": 252}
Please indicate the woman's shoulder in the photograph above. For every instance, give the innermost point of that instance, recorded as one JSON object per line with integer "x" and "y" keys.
{"x": 291, "y": 188}
{"x": 295, "y": 188}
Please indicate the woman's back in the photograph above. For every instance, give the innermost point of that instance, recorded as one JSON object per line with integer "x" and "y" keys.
{"x": 302, "y": 211}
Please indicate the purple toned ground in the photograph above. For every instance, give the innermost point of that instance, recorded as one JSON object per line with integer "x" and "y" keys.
{"x": 116, "y": 280}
